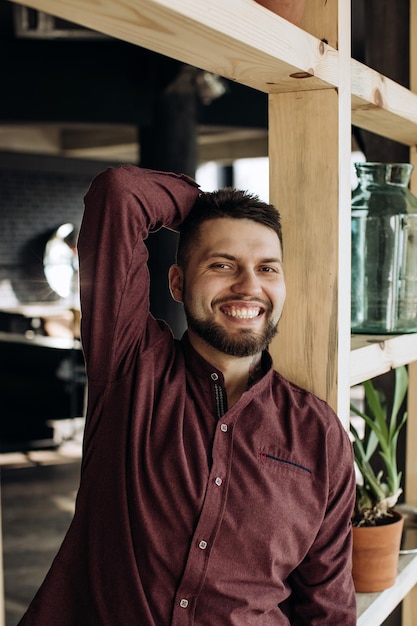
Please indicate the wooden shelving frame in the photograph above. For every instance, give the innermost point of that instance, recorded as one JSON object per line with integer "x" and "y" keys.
{"x": 373, "y": 355}
{"x": 315, "y": 92}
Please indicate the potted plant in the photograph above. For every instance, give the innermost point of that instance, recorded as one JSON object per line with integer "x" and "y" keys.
{"x": 377, "y": 491}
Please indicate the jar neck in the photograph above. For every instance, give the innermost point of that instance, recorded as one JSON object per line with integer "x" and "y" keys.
{"x": 383, "y": 174}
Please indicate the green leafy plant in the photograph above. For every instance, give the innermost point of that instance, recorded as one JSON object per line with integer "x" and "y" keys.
{"x": 378, "y": 493}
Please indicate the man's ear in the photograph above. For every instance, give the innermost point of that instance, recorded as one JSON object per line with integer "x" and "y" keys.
{"x": 176, "y": 279}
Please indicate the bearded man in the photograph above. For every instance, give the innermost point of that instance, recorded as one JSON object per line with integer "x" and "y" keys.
{"x": 213, "y": 491}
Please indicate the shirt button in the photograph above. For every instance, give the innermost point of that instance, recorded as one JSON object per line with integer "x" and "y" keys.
{"x": 214, "y": 376}
{"x": 183, "y": 603}
{"x": 218, "y": 481}
{"x": 223, "y": 428}
{"x": 202, "y": 545}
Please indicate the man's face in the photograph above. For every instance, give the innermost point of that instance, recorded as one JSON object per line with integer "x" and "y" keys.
{"x": 233, "y": 286}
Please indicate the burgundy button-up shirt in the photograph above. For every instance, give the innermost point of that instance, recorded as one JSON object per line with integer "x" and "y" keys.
{"x": 189, "y": 513}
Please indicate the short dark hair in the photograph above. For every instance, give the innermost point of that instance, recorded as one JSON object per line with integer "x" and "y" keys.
{"x": 229, "y": 203}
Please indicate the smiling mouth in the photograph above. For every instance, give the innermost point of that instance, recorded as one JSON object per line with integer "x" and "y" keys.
{"x": 242, "y": 313}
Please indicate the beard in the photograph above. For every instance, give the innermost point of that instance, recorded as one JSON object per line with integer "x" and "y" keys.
{"x": 244, "y": 343}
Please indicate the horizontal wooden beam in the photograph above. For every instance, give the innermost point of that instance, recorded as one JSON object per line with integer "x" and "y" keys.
{"x": 232, "y": 39}
{"x": 382, "y": 106}
{"x": 226, "y": 146}
{"x": 373, "y": 355}
{"x": 118, "y": 143}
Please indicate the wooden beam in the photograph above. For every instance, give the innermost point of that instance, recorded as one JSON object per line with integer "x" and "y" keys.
{"x": 373, "y": 355}
{"x": 309, "y": 137}
{"x": 238, "y": 39}
{"x": 304, "y": 188}
{"x": 321, "y": 20}
{"x": 233, "y": 39}
{"x": 120, "y": 143}
{"x": 228, "y": 145}
{"x": 42, "y": 138}
{"x": 409, "y": 609}
{"x": 382, "y": 106}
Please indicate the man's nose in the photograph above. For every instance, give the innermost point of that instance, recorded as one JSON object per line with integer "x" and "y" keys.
{"x": 247, "y": 283}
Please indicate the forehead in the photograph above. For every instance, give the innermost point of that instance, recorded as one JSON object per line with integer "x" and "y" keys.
{"x": 238, "y": 237}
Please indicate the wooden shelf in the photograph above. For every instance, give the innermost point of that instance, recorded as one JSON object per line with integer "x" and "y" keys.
{"x": 237, "y": 39}
{"x": 372, "y": 355}
{"x": 249, "y": 44}
{"x": 382, "y": 106}
{"x": 374, "y": 608}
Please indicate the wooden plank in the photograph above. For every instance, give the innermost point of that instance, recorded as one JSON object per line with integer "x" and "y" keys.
{"x": 373, "y": 355}
{"x": 238, "y": 39}
{"x": 226, "y": 146}
{"x": 320, "y": 20}
{"x": 409, "y": 609}
{"x": 310, "y": 139}
{"x": 342, "y": 406}
{"x": 303, "y": 151}
{"x": 411, "y": 457}
{"x": 382, "y": 106}
{"x": 23, "y": 137}
{"x": 244, "y": 42}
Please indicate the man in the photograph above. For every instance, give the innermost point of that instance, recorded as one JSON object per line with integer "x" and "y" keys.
{"x": 213, "y": 492}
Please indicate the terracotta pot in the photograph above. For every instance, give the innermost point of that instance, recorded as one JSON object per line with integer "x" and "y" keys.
{"x": 291, "y": 10}
{"x": 375, "y": 555}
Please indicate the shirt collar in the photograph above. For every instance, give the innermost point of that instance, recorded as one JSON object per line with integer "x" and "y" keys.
{"x": 201, "y": 368}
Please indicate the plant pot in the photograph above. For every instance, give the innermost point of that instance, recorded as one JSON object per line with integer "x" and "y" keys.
{"x": 375, "y": 555}
{"x": 291, "y": 10}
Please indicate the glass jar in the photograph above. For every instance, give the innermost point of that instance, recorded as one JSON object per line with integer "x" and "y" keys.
{"x": 384, "y": 250}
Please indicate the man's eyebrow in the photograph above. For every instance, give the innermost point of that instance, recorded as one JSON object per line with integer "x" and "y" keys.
{"x": 231, "y": 257}
{"x": 273, "y": 259}
{"x": 224, "y": 255}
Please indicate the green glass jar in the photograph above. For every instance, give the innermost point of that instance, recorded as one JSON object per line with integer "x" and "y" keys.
{"x": 384, "y": 250}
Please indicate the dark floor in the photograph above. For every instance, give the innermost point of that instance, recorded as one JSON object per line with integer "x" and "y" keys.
{"x": 38, "y": 492}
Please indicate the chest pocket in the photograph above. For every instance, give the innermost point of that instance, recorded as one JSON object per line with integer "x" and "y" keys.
{"x": 276, "y": 461}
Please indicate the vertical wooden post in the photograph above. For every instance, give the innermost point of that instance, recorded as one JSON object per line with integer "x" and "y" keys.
{"x": 320, "y": 20}
{"x": 409, "y": 609}
{"x": 304, "y": 187}
{"x": 309, "y": 140}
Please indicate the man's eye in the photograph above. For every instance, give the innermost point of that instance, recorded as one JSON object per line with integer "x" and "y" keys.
{"x": 221, "y": 266}
{"x": 269, "y": 269}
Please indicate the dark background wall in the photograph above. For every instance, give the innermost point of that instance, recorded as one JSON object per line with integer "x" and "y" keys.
{"x": 37, "y": 194}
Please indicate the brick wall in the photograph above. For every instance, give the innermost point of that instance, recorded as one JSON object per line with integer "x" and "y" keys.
{"x": 37, "y": 194}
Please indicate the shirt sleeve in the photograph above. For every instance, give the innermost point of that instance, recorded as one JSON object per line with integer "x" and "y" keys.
{"x": 322, "y": 585}
{"x": 122, "y": 206}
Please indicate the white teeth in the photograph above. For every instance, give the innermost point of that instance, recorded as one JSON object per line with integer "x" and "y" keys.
{"x": 245, "y": 313}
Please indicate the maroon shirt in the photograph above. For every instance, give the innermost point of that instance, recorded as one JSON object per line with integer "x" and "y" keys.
{"x": 189, "y": 513}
